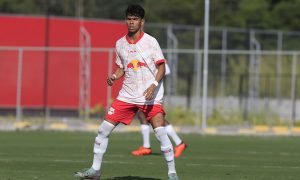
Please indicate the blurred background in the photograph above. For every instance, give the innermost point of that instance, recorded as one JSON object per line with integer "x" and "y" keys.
{"x": 55, "y": 56}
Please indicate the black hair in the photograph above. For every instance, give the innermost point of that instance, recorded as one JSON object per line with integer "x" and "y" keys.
{"x": 135, "y": 10}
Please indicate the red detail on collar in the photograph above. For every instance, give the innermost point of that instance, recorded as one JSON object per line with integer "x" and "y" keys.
{"x": 139, "y": 38}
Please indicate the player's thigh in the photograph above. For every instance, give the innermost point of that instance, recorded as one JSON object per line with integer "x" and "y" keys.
{"x": 158, "y": 120}
{"x": 121, "y": 112}
{"x": 154, "y": 114}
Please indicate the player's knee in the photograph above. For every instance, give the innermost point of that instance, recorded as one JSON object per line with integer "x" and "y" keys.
{"x": 166, "y": 123}
{"x": 105, "y": 129}
{"x": 102, "y": 134}
{"x": 101, "y": 140}
{"x": 158, "y": 120}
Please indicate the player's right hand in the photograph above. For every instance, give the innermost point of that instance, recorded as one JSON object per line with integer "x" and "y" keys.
{"x": 110, "y": 80}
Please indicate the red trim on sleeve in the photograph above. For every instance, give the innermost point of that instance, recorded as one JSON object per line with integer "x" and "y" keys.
{"x": 139, "y": 38}
{"x": 160, "y": 61}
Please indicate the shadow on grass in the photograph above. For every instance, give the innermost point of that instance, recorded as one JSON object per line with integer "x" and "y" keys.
{"x": 131, "y": 178}
{"x": 156, "y": 154}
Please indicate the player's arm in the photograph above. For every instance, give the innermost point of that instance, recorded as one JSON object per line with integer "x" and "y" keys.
{"x": 161, "y": 69}
{"x": 159, "y": 76}
{"x": 115, "y": 76}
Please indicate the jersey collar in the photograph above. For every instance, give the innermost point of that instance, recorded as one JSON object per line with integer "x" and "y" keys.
{"x": 137, "y": 40}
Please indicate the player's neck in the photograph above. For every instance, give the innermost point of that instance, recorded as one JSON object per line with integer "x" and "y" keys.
{"x": 133, "y": 36}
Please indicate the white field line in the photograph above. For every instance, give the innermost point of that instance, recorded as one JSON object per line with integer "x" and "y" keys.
{"x": 150, "y": 163}
{"x": 264, "y": 152}
{"x": 234, "y": 166}
{"x": 190, "y": 164}
{"x": 195, "y": 157}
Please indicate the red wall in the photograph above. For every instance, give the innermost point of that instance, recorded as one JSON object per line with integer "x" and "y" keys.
{"x": 62, "y": 67}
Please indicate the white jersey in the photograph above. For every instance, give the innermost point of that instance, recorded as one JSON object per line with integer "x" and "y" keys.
{"x": 139, "y": 60}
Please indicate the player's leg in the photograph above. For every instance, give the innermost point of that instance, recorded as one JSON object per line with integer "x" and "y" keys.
{"x": 145, "y": 130}
{"x": 157, "y": 123}
{"x": 180, "y": 145}
{"x": 100, "y": 146}
{"x": 101, "y": 142}
{"x": 119, "y": 112}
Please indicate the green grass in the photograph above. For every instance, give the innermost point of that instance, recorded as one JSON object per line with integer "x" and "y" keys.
{"x": 56, "y": 155}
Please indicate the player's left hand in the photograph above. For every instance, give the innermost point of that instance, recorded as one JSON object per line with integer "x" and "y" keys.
{"x": 149, "y": 92}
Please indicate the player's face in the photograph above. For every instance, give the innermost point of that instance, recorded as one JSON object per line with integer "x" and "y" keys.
{"x": 134, "y": 23}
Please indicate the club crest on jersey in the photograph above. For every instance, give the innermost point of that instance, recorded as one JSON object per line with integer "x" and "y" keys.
{"x": 135, "y": 64}
{"x": 111, "y": 111}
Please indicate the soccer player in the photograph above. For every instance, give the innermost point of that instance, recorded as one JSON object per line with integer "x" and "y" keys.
{"x": 141, "y": 62}
{"x": 145, "y": 131}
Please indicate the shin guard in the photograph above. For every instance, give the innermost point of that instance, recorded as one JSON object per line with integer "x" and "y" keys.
{"x": 165, "y": 143}
{"x": 101, "y": 142}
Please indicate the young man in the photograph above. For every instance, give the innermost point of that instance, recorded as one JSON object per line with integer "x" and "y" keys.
{"x": 141, "y": 61}
{"x": 145, "y": 131}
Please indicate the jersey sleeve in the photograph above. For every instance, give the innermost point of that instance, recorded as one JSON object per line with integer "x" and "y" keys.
{"x": 118, "y": 59}
{"x": 157, "y": 53}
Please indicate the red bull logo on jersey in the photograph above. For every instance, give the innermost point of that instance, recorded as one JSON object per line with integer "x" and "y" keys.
{"x": 135, "y": 64}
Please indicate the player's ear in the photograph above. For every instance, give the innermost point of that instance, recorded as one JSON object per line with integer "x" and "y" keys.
{"x": 143, "y": 24}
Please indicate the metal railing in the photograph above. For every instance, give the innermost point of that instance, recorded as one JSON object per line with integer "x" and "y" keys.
{"x": 234, "y": 100}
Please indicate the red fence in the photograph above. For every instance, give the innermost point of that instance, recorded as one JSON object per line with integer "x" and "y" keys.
{"x": 61, "y": 74}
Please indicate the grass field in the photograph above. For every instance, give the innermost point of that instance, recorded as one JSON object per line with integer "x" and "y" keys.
{"x": 56, "y": 155}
